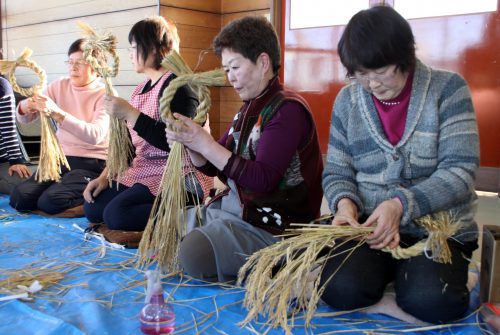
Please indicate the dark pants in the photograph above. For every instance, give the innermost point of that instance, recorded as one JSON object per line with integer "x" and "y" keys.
{"x": 122, "y": 208}
{"x": 430, "y": 291}
{"x": 55, "y": 197}
{"x": 7, "y": 183}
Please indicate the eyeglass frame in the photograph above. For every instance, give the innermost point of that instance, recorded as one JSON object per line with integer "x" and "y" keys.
{"x": 78, "y": 63}
{"x": 364, "y": 79}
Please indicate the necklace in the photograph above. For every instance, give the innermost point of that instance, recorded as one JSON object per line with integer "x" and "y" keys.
{"x": 390, "y": 103}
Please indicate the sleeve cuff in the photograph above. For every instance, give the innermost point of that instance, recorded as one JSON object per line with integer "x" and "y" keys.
{"x": 17, "y": 161}
{"x": 335, "y": 201}
{"x": 405, "y": 200}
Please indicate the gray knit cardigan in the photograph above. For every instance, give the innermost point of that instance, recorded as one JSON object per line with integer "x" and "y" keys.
{"x": 431, "y": 169}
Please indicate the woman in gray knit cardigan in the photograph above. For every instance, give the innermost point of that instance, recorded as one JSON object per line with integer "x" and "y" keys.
{"x": 403, "y": 144}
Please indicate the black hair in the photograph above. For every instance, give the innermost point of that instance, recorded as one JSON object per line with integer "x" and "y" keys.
{"x": 375, "y": 38}
{"x": 76, "y": 46}
{"x": 250, "y": 36}
{"x": 154, "y": 33}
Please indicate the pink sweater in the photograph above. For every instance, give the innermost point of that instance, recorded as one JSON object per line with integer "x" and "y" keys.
{"x": 84, "y": 131}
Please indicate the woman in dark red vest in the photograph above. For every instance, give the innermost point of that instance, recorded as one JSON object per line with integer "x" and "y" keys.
{"x": 269, "y": 158}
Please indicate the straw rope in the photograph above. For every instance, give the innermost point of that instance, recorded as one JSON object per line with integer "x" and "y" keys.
{"x": 165, "y": 227}
{"x": 120, "y": 149}
{"x": 283, "y": 279}
{"x": 51, "y": 153}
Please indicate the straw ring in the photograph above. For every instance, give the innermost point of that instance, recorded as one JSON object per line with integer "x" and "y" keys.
{"x": 102, "y": 70}
{"x": 105, "y": 44}
{"x": 23, "y": 61}
{"x": 198, "y": 82}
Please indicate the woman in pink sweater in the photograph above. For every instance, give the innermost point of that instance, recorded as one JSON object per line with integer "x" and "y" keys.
{"x": 76, "y": 105}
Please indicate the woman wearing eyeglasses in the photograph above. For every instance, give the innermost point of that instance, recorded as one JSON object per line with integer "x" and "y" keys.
{"x": 403, "y": 144}
{"x": 76, "y": 104}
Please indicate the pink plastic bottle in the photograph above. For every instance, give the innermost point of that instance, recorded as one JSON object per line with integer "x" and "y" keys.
{"x": 157, "y": 317}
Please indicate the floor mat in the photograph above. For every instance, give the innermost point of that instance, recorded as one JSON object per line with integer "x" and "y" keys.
{"x": 99, "y": 291}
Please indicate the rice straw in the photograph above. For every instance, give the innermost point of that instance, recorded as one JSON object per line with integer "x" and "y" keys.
{"x": 283, "y": 279}
{"x": 165, "y": 227}
{"x": 120, "y": 149}
{"x": 51, "y": 153}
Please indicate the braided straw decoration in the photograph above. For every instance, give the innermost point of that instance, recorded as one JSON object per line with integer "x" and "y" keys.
{"x": 51, "y": 153}
{"x": 120, "y": 150}
{"x": 277, "y": 277}
{"x": 165, "y": 227}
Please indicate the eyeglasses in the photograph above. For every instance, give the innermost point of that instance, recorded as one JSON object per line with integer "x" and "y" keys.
{"x": 132, "y": 48}
{"x": 379, "y": 75}
{"x": 77, "y": 63}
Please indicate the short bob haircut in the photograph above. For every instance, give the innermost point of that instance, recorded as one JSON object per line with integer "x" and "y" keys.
{"x": 250, "y": 36}
{"x": 154, "y": 33}
{"x": 375, "y": 38}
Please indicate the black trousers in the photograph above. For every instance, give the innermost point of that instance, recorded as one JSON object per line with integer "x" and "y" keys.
{"x": 430, "y": 291}
{"x": 123, "y": 208}
{"x": 55, "y": 197}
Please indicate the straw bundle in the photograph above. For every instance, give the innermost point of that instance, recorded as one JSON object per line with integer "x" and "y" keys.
{"x": 282, "y": 279}
{"x": 120, "y": 150}
{"x": 45, "y": 278}
{"x": 51, "y": 153}
{"x": 165, "y": 226}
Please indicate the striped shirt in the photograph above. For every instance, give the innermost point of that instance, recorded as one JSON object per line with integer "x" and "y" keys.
{"x": 10, "y": 150}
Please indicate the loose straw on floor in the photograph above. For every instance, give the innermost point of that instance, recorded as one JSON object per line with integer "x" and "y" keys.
{"x": 284, "y": 278}
{"x": 120, "y": 149}
{"x": 51, "y": 153}
{"x": 166, "y": 227}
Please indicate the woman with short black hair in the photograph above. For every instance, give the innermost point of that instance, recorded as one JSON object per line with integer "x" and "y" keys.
{"x": 403, "y": 144}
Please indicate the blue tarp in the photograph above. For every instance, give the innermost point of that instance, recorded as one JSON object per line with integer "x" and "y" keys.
{"x": 104, "y": 295}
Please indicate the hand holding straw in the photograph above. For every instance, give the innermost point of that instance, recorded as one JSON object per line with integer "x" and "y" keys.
{"x": 165, "y": 227}
{"x": 281, "y": 295}
{"x": 120, "y": 149}
{"x": 51, "y": 153}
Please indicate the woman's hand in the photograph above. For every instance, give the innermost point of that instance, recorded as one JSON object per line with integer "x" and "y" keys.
{"x": 347, "y": 213}
{"x": 121, "y": 109}
{"x": 47, "y": 106}
{"x": 387, "y": 217}
{"x": 21, "y": 169}
{"x": 29, "y": 106}
{"x": 94, "y": 187}
{"x": 184, "y": 130}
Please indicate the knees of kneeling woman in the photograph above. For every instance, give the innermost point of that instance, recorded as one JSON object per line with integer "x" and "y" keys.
{"x": 197, "y": 257}
{"x": 434, "y": 304}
